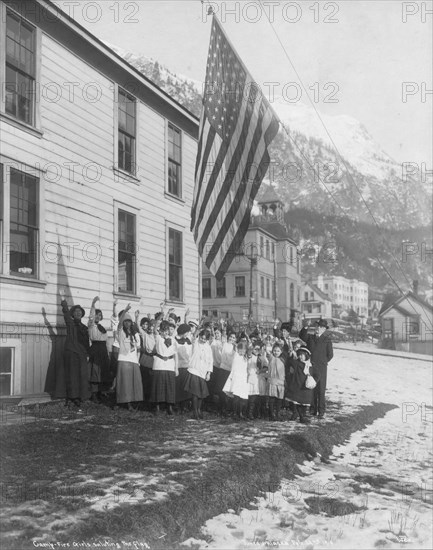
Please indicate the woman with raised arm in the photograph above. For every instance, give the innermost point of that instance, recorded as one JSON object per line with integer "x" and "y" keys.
{"x": 129, "y": 386}
{"x": 99, "y": 360}
{"x": 76, "y": 353}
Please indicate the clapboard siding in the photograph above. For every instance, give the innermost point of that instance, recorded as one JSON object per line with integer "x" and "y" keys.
{"x": 82, "y": 211}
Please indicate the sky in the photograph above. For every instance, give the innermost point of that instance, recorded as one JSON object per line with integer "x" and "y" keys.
{"x": 354, "y": 57}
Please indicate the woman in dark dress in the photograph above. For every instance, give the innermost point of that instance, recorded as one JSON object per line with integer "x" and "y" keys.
{"x": 297, "y": 393}
{"x": 75, "y": 354}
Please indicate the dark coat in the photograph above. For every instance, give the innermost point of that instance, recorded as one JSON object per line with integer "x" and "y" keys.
{"x": 295, "y": 383}
{"x": 321, "y": 350}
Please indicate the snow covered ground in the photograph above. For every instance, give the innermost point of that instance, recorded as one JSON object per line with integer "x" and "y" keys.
{"x": 374, "y": 492}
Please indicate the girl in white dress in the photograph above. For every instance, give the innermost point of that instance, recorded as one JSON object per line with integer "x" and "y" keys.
{"x": 237, "y": 382}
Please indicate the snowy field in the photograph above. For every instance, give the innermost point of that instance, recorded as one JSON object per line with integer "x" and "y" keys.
{"x": 374, "y": 492}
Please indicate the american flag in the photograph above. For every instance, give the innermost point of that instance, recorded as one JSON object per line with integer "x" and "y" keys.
{"x": 236, "y": 127}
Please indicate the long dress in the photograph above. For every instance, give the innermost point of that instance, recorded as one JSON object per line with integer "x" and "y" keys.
{"x": 276, "y": 378}
{"x": 164, "y": 367}
{"x": 295, "y": 389}
{"x": 98, "y": 356}
{"x": 183, "y": 348}
{"x": 129, "y": 386}
{"x": 237, "y": 382}
{"x": 222, "y": 371}
{"x": 201, "y": 363}
{"x": 146, "y": 361}
{"x": 76, "y": 351}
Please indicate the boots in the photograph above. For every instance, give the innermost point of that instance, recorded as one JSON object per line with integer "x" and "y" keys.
{"x": 251, "y": 406}
{"x": 272, "y": 408}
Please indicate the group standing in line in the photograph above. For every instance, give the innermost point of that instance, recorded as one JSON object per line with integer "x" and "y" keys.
{"x": 161, "y": 361}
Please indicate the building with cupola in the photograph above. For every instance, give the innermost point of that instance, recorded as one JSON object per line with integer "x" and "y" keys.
{"x": 263, "y": 281}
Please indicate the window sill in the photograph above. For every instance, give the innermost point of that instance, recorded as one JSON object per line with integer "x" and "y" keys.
{"x": 174, "y": 198}
{"x": 126, "y": 295}
{"x": 126, "y": 175}
{"x": 173, "y": 302}
{"x": 22, "y": 125}
{"x": 22, "y": 281}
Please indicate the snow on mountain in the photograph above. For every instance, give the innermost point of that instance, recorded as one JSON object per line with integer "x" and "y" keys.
{"x": 343, "y": 133}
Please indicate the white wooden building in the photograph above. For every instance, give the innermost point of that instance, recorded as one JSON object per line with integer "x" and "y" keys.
{"x": 97, "y": 175}
{"x": 407, "y": 324}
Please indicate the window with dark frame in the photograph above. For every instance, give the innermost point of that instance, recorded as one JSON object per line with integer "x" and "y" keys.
{"x": 262, "y": 287}
{"x": 126, "y": 131}
{"x": 292, "y": 296}
{"x": 175, "y": 265}
{"x": 20, "y": 67}
{"x": 206, "y": 288}
{"x": 240, "y": 286}
{"x": 221, "y": 288}
{"x": 126, "y": 252}
{"x": 174, "y": 161}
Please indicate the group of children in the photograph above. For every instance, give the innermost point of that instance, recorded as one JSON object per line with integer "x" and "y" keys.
{"x": 162, "y": 361}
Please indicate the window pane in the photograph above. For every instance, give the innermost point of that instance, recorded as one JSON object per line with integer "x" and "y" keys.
{"x": 175, "y": 264}
{"x": 126, "y": 251}
{"x": 174, "y": 160}
{"x": 206, "y": 288}
{"x": 23, "y": 249}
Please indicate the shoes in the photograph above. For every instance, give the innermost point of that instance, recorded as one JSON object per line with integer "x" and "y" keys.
{"x": 304, "y": 420}
{"x": 313, "y": 411}
{"x": 321, "y": 416}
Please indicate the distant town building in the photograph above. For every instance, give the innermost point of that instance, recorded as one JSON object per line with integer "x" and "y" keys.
{"x": 315, "y": 304}
{"x": 263, "y": 281}
{"x": 346, "y": 294}
{"x": 408, "y": 324}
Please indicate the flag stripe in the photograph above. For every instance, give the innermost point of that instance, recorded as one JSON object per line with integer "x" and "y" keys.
{"x": 246, "y": 193}
{"x": 201, "y": 166}
{"x": 230, "y": 181}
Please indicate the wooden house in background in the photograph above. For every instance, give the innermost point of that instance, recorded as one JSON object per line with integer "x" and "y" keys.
{"x": 407, "y": 324}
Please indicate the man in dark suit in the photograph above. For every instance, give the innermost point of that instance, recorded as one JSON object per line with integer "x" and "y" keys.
{"x": 320, "y": 345}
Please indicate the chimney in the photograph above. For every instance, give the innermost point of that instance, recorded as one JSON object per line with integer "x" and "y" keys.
{"x": 415, "y": 287}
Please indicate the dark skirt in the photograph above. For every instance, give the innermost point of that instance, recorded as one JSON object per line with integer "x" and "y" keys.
{"x": 296, "y": 392}
{"x": 163, "y": 387}
{"x": 99, "y": 364}
{"x": 76, "y": 376}
{"x": 218, "y": 379}
{"x": 195, "y": 385}
{"x": 146, "y": 376}
{"x": 181, "y": 394}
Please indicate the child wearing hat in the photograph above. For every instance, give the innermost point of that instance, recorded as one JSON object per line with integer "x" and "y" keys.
{"x": 297, "y": 393}
{"x": 75, "y": 355}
